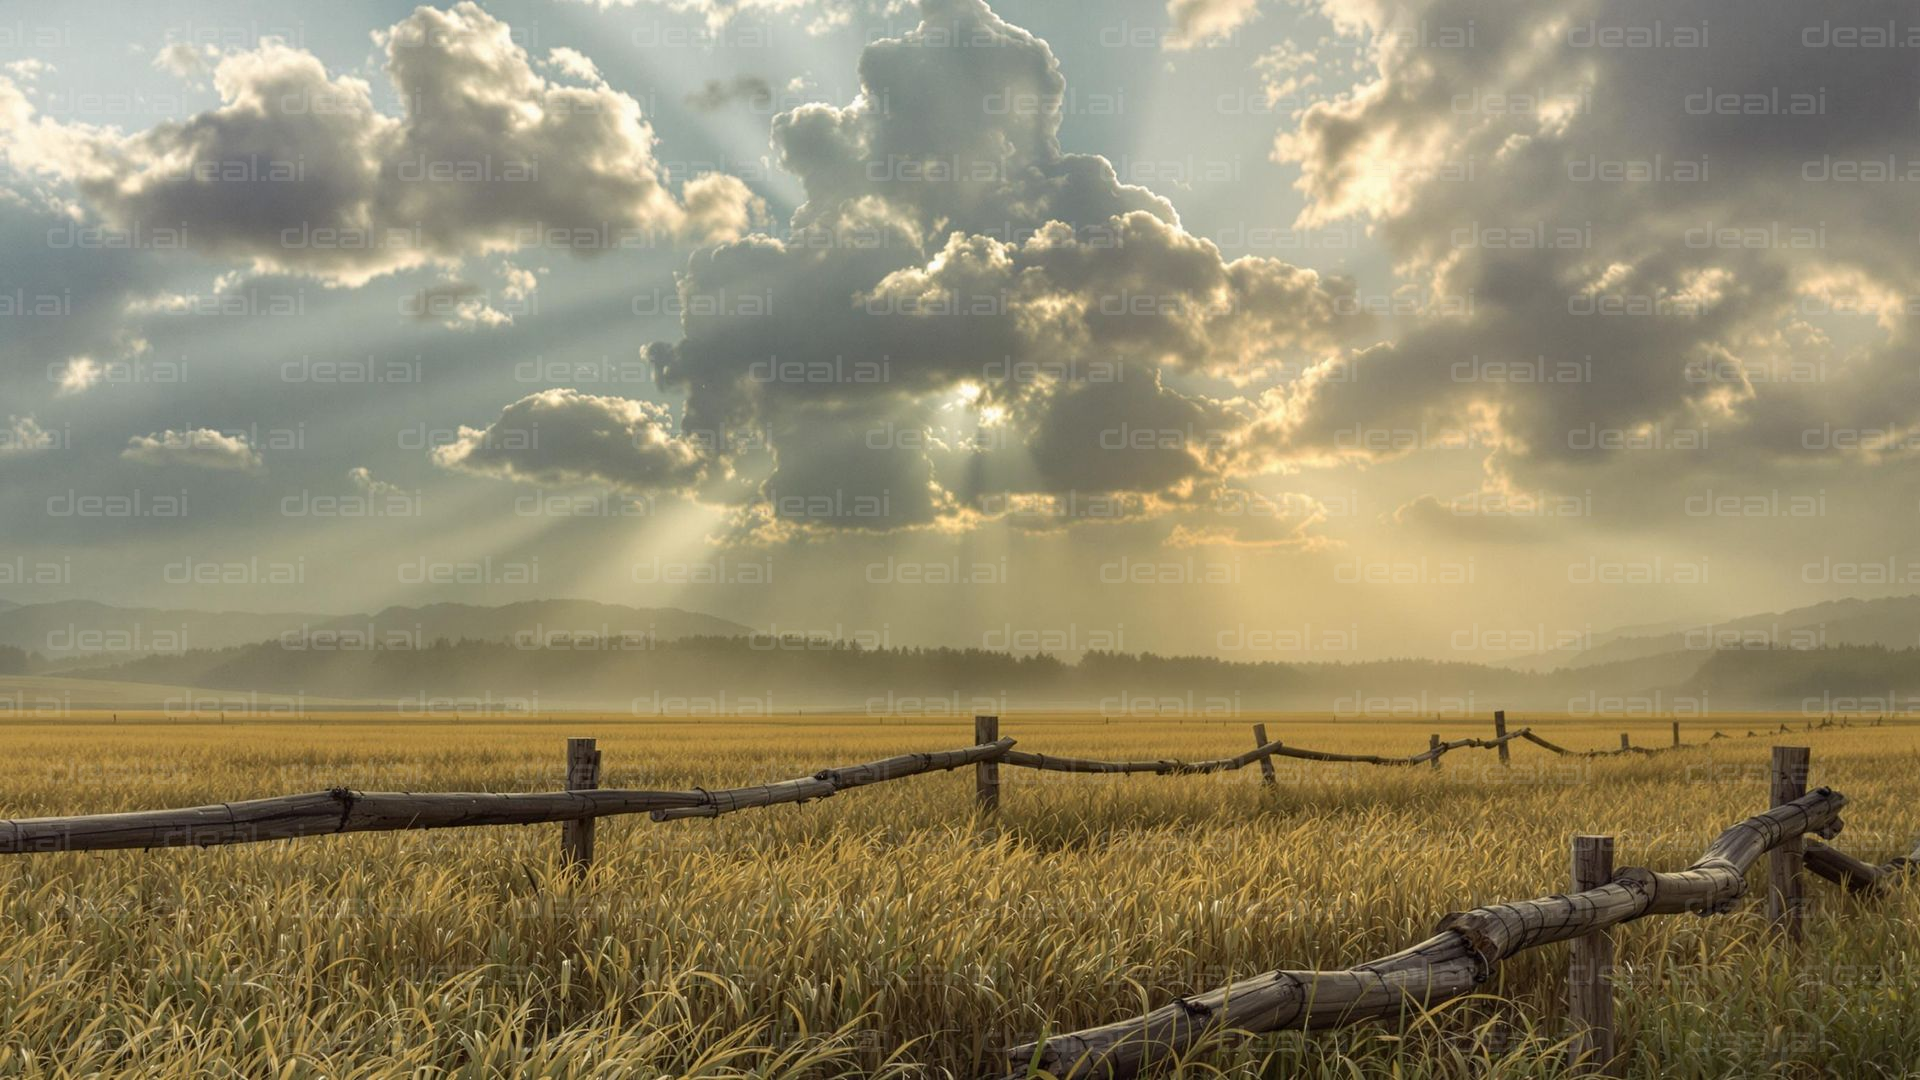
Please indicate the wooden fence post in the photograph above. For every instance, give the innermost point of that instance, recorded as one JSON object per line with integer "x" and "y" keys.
{"x": 986, "y": 774}
{"x": 583, "y": 774}
{"x": 1500, "y": 732}
{"x": 1266, "y": 760}
{"x": 1784, "y": 898}
{"x": 1676, "y": 734}
{"x": 1433, "y": 745}
{"x": 1624, "y": 744}
{"x": 1590, "y": 969}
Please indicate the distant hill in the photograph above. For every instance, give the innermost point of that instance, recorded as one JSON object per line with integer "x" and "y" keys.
{"x": 530, "y": 622}
{"x": 1851, "y": 678}
{"x": 71, "y": 629}
{"x": 1604, "y": 647}
{"x": 1892, "y": 622}
{"x": 67, "y": 628}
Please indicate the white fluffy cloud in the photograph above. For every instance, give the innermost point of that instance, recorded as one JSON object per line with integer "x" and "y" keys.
{"x": 81, "y": 373}
{"x": 298, "y": 172}
{"x": 185, "y": 60}
{"x": 567, "y": 437}
{"x": 28, "y": 70}
{"x": 362, "y": 478}
{"x": 24, "y": 435}
{"x": 964, "y": 318}
{"x": 200, "y": 448}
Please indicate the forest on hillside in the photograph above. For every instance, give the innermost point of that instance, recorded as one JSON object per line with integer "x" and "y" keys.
{"x": 774, "y": 674}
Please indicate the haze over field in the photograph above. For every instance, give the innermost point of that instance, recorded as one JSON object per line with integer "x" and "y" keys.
{"x": 1849, "y": 657}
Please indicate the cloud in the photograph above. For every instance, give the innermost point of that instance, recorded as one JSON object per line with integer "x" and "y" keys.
{"x": 718, "y": 94}
{"x": 963, "y": 320}
{"x": 200, "y": 448}
{"x": 82, "y": 373}
{"x": 28, "y": 70}
{"x": 720, "y": 207}
{"x": 67, "y": 303}
{"x": 1239, "y": 517}
{"x": 1490, "y": 517}
{"x": 1206, "y": 22}
{"x": 24, "y": 435}
{"x": 182, "y": 59}
{"x": 818, "y": 16}
{"x": 574, "y": 64}
{"x": 298, "y": 172}
{"x": 519, "y": 283}
{"x": 441, "y": 298}
{"x": 456, "y": 305}
{"x": 362, "y": 478}
{"x": 1637, "y": 224}
{"x": 567, "y": 437}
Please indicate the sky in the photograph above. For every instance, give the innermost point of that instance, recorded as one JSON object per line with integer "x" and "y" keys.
{"x": 1319, "y": 329}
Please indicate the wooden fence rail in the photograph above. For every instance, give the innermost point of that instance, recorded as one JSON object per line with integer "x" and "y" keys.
{"x": 1169, "y": 767}
{"x": 1455, "y": 961}
{"x": 1854, "y": 875}
{"x": 827, "y": 781}
{"x": 1266, "y": 751}
{"x": 343, "y": 810}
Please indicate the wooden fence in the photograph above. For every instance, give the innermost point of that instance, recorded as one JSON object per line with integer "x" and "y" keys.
{"x": 1466, "y": 946}
{"x": 1457, "y": 959}
{"x": 345, "y": 810}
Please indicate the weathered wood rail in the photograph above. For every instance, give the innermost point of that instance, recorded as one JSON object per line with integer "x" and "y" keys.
{"x": 320, "y": 813}
{"x": 1854, "y": 875}
{"x": 343, "y": 810}
{"x": 1055, "y": 763}
{"x": 828, "y": 781}
{"x": 1467, "y": 946}
{"x": 1457, "y": 959}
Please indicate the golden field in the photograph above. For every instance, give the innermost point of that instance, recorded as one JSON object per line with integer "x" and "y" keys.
{"x": 890, "y": 931}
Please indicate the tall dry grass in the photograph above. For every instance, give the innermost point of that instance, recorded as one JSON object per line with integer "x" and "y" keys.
{"x": 887, "y": 931}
